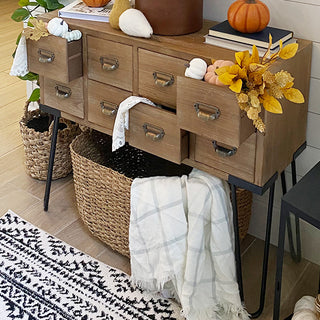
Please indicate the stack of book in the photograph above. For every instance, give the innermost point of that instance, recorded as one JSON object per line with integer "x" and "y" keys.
{"x": 79, "y": 10}
{"x": 223, "y": 35}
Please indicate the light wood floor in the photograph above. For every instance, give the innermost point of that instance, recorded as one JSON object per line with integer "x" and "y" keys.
{"x": 24, "y": 195}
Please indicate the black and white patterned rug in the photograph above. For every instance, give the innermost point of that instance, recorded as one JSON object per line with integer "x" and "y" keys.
{"x": 42, "y": 277}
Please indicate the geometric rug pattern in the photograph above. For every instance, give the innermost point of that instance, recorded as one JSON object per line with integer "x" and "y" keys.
{"x": 42, "y": 277}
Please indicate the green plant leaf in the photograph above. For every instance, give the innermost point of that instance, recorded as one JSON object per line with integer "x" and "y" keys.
{"x": 30, "y": 76}
{"x": 53, "y": 4}
{"x": 20, "y": 14}
{"x": 23, "y": 3}
{"x": 42, "y": 3}
{"x": 35, "y": 95}
{"x": 30, "y": 24}
{"x": 17, "y": 42}
{"x": 18, "y": 38}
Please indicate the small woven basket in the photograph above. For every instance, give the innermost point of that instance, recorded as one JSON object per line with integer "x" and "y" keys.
{"x": 37, "y": 146}
{"x": 103, "y": 180}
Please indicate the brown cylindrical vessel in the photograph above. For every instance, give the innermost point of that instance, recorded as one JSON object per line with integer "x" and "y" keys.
{"x": 172, "y": 17}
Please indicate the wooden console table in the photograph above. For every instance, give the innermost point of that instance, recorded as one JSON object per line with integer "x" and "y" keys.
{"x": 85, "y": 81}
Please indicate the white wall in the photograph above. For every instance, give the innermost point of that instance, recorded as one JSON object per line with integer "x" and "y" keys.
{"x": 303, "y": 18}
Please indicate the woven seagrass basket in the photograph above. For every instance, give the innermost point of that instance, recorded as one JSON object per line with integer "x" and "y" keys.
{"x": 103, "y": 180}
{"x": 37, "y": 146}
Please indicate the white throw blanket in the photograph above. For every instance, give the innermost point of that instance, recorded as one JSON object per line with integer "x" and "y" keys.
{"x": 181, "y": 240}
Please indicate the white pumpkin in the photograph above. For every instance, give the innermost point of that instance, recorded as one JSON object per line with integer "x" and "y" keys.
{"x": 305, "y": 314}
{"x": 57, "y": 27}
{"x": 134, "y": 23}
{"x": 72, "y": 35}
{"x": 197, "y": 69}
{"x": 306, "y": 302}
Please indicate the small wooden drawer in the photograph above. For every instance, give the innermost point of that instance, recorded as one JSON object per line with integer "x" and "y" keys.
{"x": 158, "y": 77}
{"x": 110, "y": 62}
{"x": 212, "y": 112}
{"x": 55, "y": 58}
{"x": 67, "y": 97}
{"x": 239, "y": 162}
{"x": 155, "y": 130}
{"x": 103, "y": 103}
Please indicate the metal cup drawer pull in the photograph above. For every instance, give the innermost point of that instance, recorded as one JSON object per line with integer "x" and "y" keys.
{"x": 205, "y": 115}
{"x": 109, "y": 64}
{"x": 63, "y": 92}
{"x": 163, "y": 79}
{"x": 222, "y": 151}
{"x": 45, "y": 56}
{"x": 108, "y": 108}
{"x": 153, "y": 132}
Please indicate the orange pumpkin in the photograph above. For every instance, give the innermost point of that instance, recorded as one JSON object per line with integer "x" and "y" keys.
{"x": 211, "y": 76}
{"x": 96, "y": 3}
{"x": 248, "y": 16}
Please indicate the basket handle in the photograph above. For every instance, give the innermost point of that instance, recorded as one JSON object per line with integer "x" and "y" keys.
{"x": 26, "y": 106}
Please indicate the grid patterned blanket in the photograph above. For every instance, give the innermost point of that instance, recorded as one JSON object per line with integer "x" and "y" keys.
{"x": 181, "y": 240}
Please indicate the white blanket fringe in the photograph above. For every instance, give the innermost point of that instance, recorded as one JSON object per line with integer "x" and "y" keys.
{"x": 181, "y": 241}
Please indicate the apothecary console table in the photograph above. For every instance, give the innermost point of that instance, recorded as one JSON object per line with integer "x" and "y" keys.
{"x": 85, "y": 81}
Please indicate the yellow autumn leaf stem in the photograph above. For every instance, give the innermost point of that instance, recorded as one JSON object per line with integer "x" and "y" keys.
{"x": 293, "y": 95}
{"x": 289, "y": 51}
{"x": 236, "y": 86}
{"x": 271, "y": 104}
{"x": 256, "y": 86}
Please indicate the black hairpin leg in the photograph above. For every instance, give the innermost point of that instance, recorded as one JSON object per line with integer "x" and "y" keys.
{"x": 237, "y": 240}
{"x": 56, "y": 116}
{"x": 296, "y": 256}
{"x": 266, "y": 246}
{"x": 282, "y": 227}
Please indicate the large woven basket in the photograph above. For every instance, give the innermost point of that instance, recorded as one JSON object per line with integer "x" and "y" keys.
{"x": 103, "y": 180}
{"x": 37, "y": 146}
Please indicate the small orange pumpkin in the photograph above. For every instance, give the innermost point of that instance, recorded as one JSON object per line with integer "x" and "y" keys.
{"x": 248, "y": 16}
{"x": 96, "y": 3}
{"x": 211, "y": 76}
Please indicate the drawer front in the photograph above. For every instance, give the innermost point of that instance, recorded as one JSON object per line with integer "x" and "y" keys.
{"x": 55, "y": 58}
{"x": 155, "y": 130}
{"x": 110, "y": 62}
{"x": 103, "y": 102}
{"x": 67, "y": 97}
{"x": 240, "y": 164}
{"x": 212, "y": 112}
{"x": 158, "y": 77}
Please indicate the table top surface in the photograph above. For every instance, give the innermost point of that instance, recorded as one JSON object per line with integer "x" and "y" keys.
{"x": 305, "y": 195}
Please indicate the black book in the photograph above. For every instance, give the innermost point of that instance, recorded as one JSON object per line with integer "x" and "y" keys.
{"x": 261, "y": 39}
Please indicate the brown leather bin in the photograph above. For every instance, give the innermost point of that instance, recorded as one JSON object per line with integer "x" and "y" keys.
{"x": 172, "y": 17}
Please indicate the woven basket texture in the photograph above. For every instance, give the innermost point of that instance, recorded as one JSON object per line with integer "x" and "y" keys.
{"x": 37, "y": 146}
{"x": 103, "y": 180}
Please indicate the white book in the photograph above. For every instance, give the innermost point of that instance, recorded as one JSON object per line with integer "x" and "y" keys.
{"x": 79, "y": 10}
{"x": 236, "y": 46}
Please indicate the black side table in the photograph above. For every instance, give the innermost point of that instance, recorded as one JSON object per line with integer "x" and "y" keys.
{"x": 303, "y": 200}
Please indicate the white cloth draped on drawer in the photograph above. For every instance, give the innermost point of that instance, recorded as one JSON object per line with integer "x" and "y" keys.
{"x": 181, "y": 240}
{"x": 121, "y": 123}
{"x": 19, "y": 66}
